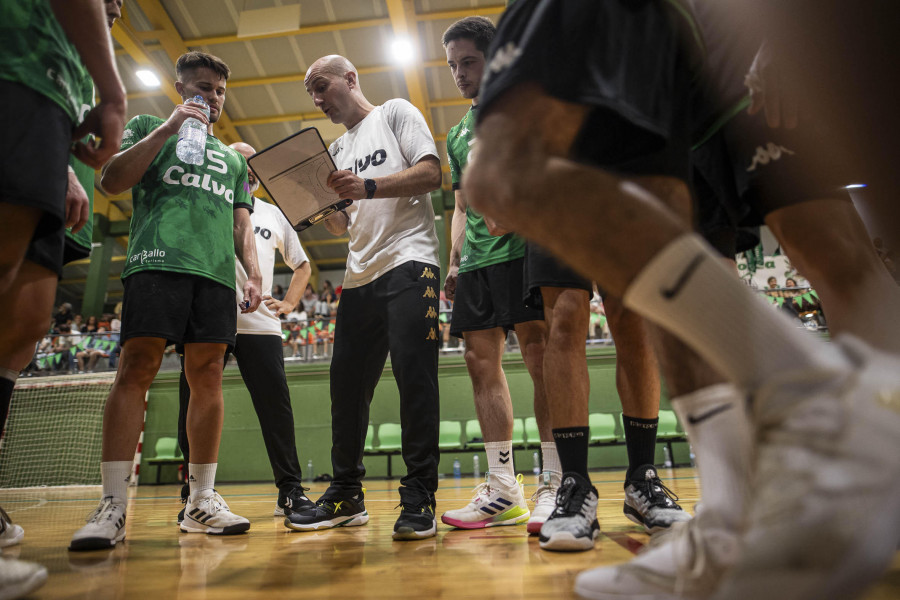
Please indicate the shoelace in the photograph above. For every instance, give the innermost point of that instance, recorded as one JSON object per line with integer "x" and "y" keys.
{"x": 541, "y": 491}
{"x": 570, "y": 498}
{"x": 483, "y": 489}
{"x": 652, "y": 493}
{"x": 103, "y": 512}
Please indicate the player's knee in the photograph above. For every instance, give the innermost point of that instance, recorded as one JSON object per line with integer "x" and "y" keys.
{"x": 481, "y": 368}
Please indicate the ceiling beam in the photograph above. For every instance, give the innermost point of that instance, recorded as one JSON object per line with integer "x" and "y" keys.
{"x": 402, "y": 14}
{"x": 321, "y": 28}
{"x": 307, "y": 116}
{"x": 484, "y": 11}
{"x": 129, "y": 41}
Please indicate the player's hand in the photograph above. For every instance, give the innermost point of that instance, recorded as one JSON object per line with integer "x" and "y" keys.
{"x": 450, "y": 282}
{"x": 251, "y": 296}
{"x": 278, "y": 307}
{"x": 182, "y": 113}
{"x": 106, "y": 121}
{"x": 347, "y": 185}
{"x": 771, "y": 91}
{"x": 78, "y": 206}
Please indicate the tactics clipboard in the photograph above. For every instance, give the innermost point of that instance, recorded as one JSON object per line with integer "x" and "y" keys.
{"x": 293, "y": 172}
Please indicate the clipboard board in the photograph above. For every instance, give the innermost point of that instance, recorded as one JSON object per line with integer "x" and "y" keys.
{"x": 293, "y": 172}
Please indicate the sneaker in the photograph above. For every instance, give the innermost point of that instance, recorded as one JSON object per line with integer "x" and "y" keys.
{"x": 491, "y": 505}
{"x": 330, "y": 512}
{"x": 105, "y": 526}
{"x": 185, "y": 493}
{"x": 650, "y": 503}
{"x": 573, "y": 525}
{"x": 294, "y": 500}
{"x": 544, "y": 501}
{"x": 687, "y": 560}
{"x": 19, "y": 578}
{"x": 10, "y": 533}
{"x": 209, "y": 514}
{"x": 823, "y": 522}
{"x": 416, "y": 520}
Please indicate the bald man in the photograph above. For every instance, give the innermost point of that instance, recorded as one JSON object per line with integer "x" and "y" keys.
{"x": 258, "y": 349}
{"x": 388, "y": 164}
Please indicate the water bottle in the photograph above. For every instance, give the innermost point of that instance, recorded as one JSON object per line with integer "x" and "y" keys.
{"x": 310, "y": 474}
{"x": 457, "y": 468}
{"x": 693, "y": 458}
{"x": 476, "y": 468}
{"x": 537, "y": 464}
{"x": 668, "y": 457}
{"x": 191, "y": 146}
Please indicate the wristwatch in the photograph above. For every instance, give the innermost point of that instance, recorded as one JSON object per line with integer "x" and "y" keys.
{"x": 370, "y": 188}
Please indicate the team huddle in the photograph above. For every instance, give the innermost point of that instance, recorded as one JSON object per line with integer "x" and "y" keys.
{"x": 607, "y": 143}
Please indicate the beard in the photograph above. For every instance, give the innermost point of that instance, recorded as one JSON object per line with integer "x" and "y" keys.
{"x": 253, "y": 186}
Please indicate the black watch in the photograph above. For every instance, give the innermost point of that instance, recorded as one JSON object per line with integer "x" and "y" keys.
{"x": 370, "y": 188}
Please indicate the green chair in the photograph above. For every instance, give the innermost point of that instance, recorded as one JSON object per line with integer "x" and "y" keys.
{"x": 532, "y": 433}
{"x": 389, "y": 442}
{"x": 450, "y": 435}
{"x": 603, "y": 428}
{"x": 473, "y": 432}
{"x": 167, "y": 453}
{"x": 668, "y": 426}
{"x": 518, "y": 434}
{"x": 370, "y": 439}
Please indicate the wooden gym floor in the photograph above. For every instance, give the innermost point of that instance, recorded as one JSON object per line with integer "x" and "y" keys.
{"x": 157, "y": 561}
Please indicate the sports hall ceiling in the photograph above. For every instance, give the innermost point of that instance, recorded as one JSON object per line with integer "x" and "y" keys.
{"x": 266, "y": 100}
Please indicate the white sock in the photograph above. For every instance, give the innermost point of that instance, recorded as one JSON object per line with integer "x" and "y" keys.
{"x": 550, "y": 461}
{"x": 500, "y": 462}
{"x": 202, "y": 478}
{"x": 686, "y": 289}
{"x": 718, "y": 427}
{"x": 115, "y": 476}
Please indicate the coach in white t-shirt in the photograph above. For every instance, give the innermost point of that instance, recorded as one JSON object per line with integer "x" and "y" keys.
{"x": 258, "y": 347}
{"x": 388, "y": 164}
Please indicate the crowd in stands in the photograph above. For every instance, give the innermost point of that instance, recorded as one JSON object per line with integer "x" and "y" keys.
{"x": 799, "y": 302}
{"x": 76, "y": 345}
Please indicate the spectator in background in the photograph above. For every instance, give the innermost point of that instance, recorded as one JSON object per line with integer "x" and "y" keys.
{"x": 115, "y": 323}
{"x": 104, "y": 321}
{"x": 62, "y": 345}
{"x": 278, "y": 292}
{"x": 772, "y": 282}
{"x": 91, "y": 326}
{"x": 790, "y": 283}
{"x": 64, "y": 315}
{"x": 309, "y": 300}
{"x": 327, "y": 288}
{"x": 77, "y": 323}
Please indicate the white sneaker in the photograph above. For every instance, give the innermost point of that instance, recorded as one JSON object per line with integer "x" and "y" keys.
{"x": 686, "y": 561}
{"x": 824, "y": 521}
{"x": 492, "y": 504}
{"x": 10, "y": 533}
{"x": 649, "y": 503}
{"x": 19, "y": 578}
{"x": 105, "y": 526}
{"x": 209, "y": 514}
{"x": 544, "y": 499}
{"x": 573, "y": 525}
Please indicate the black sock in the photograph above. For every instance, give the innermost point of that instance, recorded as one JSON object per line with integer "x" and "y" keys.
{"x": 6, "y": 389}
{"x": 572, "y": 447}
{"x": 640, "y": 441}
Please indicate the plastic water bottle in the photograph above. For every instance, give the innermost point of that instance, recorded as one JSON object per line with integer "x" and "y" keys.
{"x": 537, "y": 464}
{"x": 693, "y": 458}
{"x": 310, "y": 474}
{"x": 667, "y": 457}
{"x": 476, "y": 468}
{"x": 457, "y": 468}
{"x": 191, "y": 146}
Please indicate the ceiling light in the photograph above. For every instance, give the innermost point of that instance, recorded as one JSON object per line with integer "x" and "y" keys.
{"x": 854, "y": 186}
{"x": 402, "y": 51}
{"x": 148, "y": 78}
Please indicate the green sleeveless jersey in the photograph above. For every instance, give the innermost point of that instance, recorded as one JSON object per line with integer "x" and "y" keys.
{"x": 183, "y": 216}
{"x": 35, "y": 52}
{"x": 85, "y": 88}
{"x": 480, "y": 248}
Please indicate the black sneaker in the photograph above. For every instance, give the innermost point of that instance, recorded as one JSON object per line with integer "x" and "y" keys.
{"x": 330, "y": 512}
{"x": 416, "y": 520}
{"x": 294, "y": 500}
{"x": 649, "y": 502}
{"x": 185, "y": 492}
{"x": 573, "y": 525}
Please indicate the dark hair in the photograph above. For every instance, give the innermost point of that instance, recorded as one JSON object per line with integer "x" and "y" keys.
{"x": 196, "y": 60}
{"x": 480, "y": 30}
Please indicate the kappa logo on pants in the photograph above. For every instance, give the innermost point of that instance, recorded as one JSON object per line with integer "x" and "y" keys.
{"x": 432, "y": 334}
{"x": 430, "y": 313}
{"x": 766, "y": 154}
{"x": 429, "y": 293}
{"x": 427, "y": 273}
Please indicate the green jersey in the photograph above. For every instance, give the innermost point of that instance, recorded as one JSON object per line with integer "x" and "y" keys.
{"x": 480, "y": 248}
{"x": 35, "y": 52}
{"x": 183, "y": 217}
{"x": 85, "y": 173}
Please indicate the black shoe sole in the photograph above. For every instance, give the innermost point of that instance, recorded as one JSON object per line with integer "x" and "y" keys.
{"x": 88, "y": 544}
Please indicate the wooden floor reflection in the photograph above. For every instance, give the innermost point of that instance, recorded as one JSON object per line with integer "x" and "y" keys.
{"x": 157, "y": 561}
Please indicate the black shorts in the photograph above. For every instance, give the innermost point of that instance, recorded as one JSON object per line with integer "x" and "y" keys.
{"x": 74, "y": 251}
{"x": 36, "y": 136}
{"x": 542, "y": 269}
{"x": 491, "y": 297}
{"x": 181, "y": 308}
{"x": 55, "y": 251}
{"x": 631, "y": 61}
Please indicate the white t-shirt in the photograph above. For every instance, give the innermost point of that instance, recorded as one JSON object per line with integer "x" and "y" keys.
{"x": 387, "y": 232}
{"x": 271, "y": 230}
